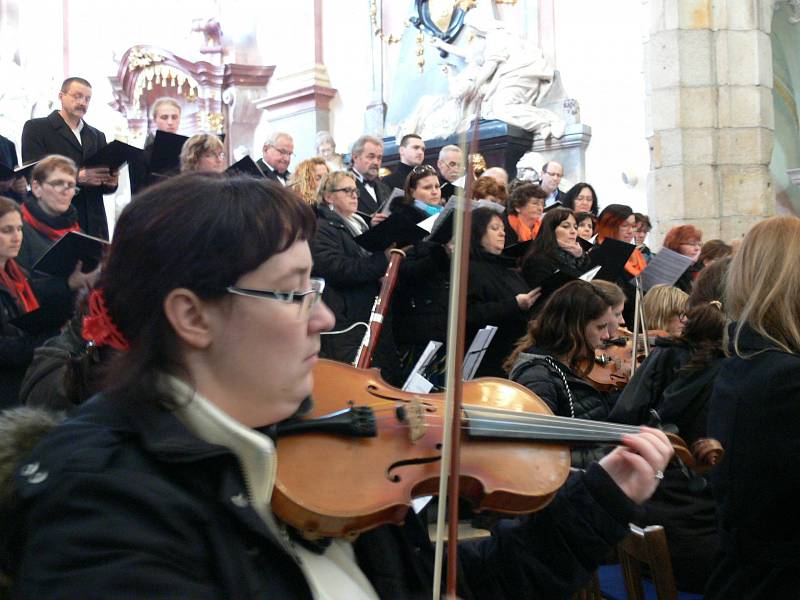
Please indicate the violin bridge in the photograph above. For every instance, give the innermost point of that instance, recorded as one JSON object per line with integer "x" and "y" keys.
{"x": 415, "y": 419}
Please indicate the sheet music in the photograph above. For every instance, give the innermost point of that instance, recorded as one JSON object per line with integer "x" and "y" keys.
{"x": 589, "y": 275}
{"x": 427, "y": 224}
{"x": 386, "y": 207}
{"x": 416, "y": 382}
{"x": 476, "y": 351}
{"x": 664, "y": 268}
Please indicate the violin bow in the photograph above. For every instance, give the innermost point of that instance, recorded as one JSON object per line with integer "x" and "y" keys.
{"x": 456, "y": 330}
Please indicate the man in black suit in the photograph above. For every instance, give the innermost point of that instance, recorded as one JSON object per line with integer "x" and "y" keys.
{"x": 367, "y": 154}
{"x": 65, "y": 132}
{"x": 277, "y": 154}
{"x": 412, "y": 153}
{"x": 551, "y": 175}
{"x": 16, "y": 187}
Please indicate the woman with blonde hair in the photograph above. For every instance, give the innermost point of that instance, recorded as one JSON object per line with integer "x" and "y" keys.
{"x": 754, "y": 413}
{"x": 307, "y": 176}
{"x": 203, "y": 152}
{"x": 664, "y": 308}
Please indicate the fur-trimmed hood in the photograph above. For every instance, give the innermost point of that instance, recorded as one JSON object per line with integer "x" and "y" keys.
{"x": 20, "y": 430}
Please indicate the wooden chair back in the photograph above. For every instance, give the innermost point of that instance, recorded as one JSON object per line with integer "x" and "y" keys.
{"x": 647, "y": 546}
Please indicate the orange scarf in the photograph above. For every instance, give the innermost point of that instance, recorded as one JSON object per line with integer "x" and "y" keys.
{"x": 636, "y": 263}
{"x": 523, "y": 232}
{"x": 17, "y": 285}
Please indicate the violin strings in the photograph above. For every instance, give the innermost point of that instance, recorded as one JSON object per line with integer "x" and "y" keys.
{"x": 547, "y": 433}
{"x": 586, "y": 430}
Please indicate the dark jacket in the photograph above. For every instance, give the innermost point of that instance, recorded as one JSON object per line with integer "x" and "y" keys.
{"x": 17, "y": 346}
{"x": 123, "y": 501}
{"x": 681, "y": 399}
{"x": 270, "y": 173}
{"x": 397, "y": 178}
{"x": 536, "y": 268}
{"x": 366, "y": 204}
{"x": 351, "y": 283}
{"x": 755, "y": 413}
{"x": 491, "y": 300}
{"x": 535, "y": 372}
{"x": 420, "y": 301}
{"x": 8, "y": 157}
{"x": 52, "y": 135}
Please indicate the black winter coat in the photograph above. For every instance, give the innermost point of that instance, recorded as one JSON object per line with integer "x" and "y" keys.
{"x": 491, "y": 300}
{"x": 351, "y": 283}
{"x": 533, "y": 370}
{"x": 52, "y": 135}
{"x": 122, "y": 501}
{"x": 420, "y": 301}
{"x": 755, "y": 413}
{"x": 17, "y": 346}
{"x": 681, "y": 399}
{"x": 537, "y": 268}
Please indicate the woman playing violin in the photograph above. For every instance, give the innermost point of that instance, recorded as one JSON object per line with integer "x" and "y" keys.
{"x": 557, "y": 353}
{"x": 161, "y": 486}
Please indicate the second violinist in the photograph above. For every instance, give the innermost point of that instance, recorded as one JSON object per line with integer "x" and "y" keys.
{"x": 556, "y": 354}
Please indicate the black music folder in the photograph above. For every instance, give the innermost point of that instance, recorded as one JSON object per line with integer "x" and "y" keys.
{"x": 7, "y": 172}
{"x": 397, "y": 229}
{"x": 245, "y": 166}
{"x": 113, "y": 156}
{"x": 61, "y": 258}
{"x": 517, "y": 250}
{"x": 166, "y": 153}
{"x": 611, "y": 255}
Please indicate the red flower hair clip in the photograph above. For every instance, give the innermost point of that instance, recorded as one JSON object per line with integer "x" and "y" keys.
{"x": 98, "y": 326}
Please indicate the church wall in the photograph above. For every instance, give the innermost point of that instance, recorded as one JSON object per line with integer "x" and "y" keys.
{"x": 785, "y": 39}
{"x": 599, "y": 52}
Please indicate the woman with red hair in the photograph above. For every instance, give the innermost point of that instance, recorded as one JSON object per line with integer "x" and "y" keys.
{"x": 618, "y": 222}
{"x": 686, "y": 240}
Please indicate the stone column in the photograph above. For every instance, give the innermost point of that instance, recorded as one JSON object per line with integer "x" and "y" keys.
{"x": 710, "y": 115}
{"x": 300, "y": 93}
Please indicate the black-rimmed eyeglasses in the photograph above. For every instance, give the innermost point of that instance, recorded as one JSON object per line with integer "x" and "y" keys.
{"x": 305, "y": 300}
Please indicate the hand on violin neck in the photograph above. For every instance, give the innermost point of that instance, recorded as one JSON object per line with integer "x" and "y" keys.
{"x": 634, "y": 465}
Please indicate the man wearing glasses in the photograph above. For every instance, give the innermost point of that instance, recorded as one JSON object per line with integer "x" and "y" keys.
{"x": 65, "y": 132}
{"x": 277, "y": 154}
{"x": 451, "y": 169}
{"x": 552, "y": 172}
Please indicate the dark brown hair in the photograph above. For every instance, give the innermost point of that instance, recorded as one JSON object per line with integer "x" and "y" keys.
{"x": 523, "y": 194}
{"x": 560, "y": 327}
{"x": 7, "y": 205}
{"x": 196, "y": 231}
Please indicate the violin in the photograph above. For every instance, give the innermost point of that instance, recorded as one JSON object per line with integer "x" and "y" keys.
{"x": 366, "y": 435}
{"x": 612, "y": 363}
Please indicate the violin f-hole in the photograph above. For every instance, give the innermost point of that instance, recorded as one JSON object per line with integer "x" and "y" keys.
{"x": 394, "y": 478}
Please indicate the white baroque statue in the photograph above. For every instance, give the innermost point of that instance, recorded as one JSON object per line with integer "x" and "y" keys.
{"x": 511, "y": 75}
